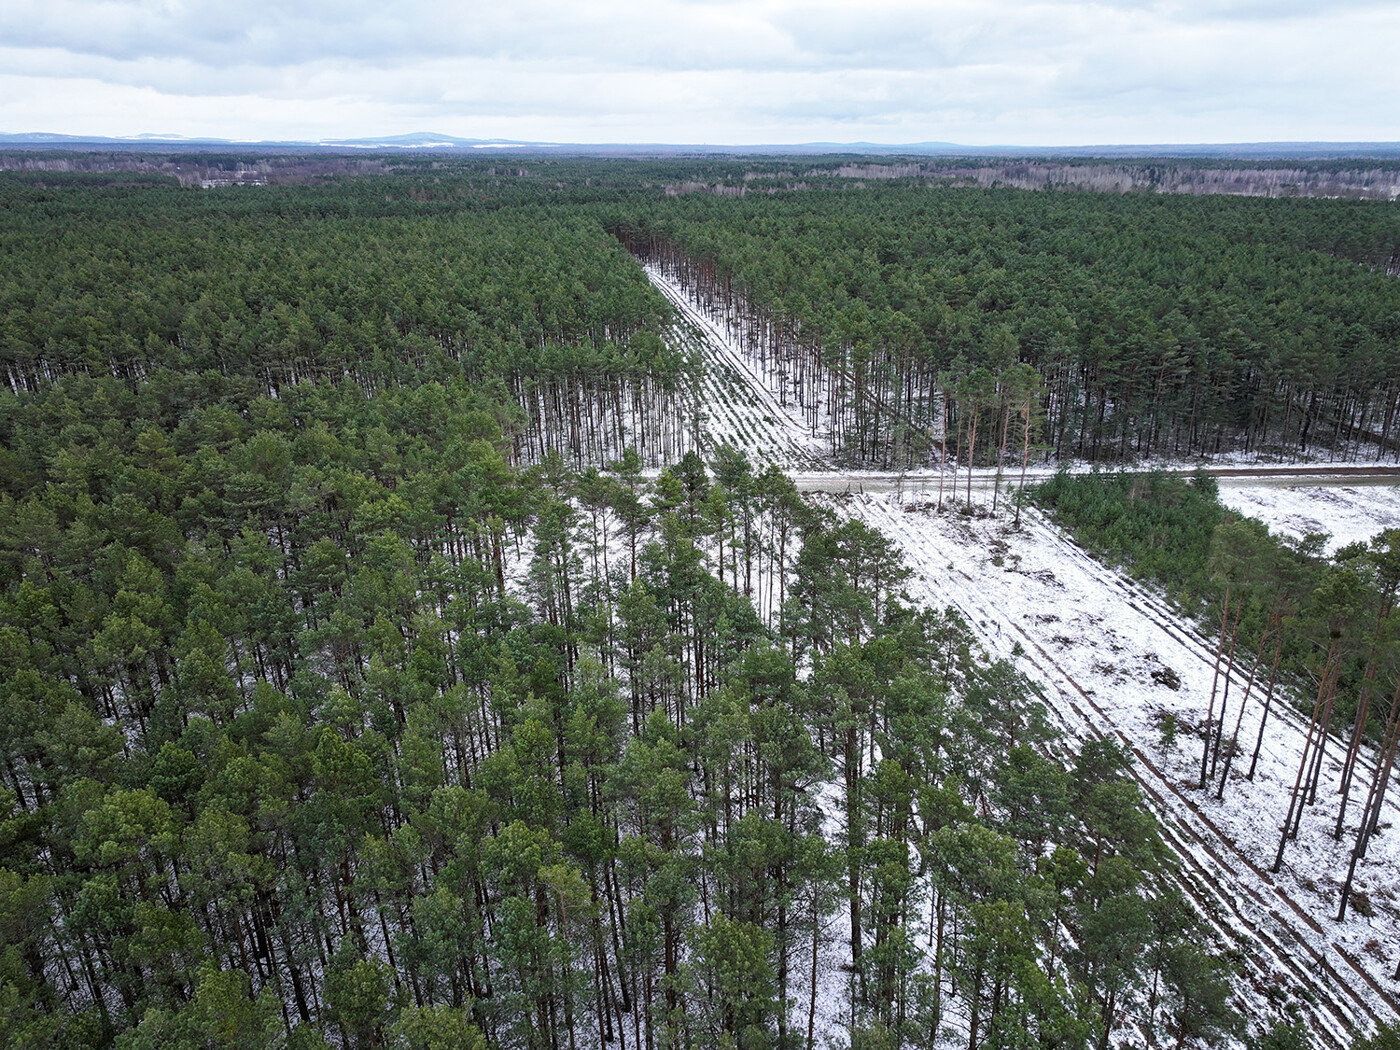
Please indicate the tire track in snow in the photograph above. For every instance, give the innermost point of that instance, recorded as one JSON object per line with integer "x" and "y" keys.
{"x": 1199, "y": 883}
{"x": 751, "y": 416}
{"x": 1205, "y": 889}
{"x": 1156, "y": 609}
{"x": 1274, "y": 944}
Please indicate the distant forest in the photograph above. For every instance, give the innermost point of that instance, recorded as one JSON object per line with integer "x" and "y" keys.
{"x": 1155, "y": 326}
{"x": 361, "y": 687}
{"x": 906, "y": 320}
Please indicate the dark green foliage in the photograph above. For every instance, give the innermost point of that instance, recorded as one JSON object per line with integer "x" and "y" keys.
{"x": 203, "y": 299}
{"x": 1385, "y": 1037}
{"x": 328, "y": 721}
{"x": 1158, "y": 324}
{"x": 1288, "y": 1035}
{"x": 1157, "y": 525}
{"x": 1272, "y": 601}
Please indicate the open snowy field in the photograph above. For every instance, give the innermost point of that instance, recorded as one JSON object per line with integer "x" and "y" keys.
{"x": 1347, "y": 514}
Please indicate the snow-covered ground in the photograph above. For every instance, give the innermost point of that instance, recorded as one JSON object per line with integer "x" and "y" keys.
{"x": 739, "y": 406}
{"x": 1113, "y": 659}
{"x": 1094, "y": 641}
{"x": 1347, "y": 514}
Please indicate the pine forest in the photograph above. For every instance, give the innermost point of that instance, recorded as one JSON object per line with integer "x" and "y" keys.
{"x": 398, "y": 648}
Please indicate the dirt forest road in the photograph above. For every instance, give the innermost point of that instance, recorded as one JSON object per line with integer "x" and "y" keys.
{"x": 924, "y": 484}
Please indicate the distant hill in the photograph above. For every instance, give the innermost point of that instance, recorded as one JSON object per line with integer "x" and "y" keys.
{"x": 423, "y": 140}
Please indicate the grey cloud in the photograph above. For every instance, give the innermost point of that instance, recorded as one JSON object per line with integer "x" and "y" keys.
{"x": 265, "y": 32}
{"x": 969, "y": 70}
{"x": 669, "y": 33}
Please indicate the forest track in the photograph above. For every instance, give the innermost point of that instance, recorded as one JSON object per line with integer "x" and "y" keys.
{"x": 1203, "y": 886}
{"x": 925, "y": 482}
{"x": 1376, "y": 473}
{"x": 1248, "y": 936}
{"x": 1265, "y": 950}
{"x": 742, "y": 409}
{"x": 1157, "y": 609}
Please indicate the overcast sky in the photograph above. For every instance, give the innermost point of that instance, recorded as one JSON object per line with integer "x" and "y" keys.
{"x": 978, "y": 72}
